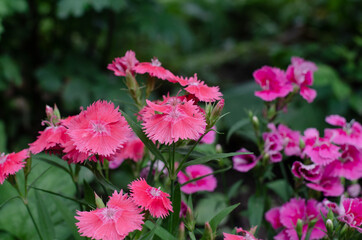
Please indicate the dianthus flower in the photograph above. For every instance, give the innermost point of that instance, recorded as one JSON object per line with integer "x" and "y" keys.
{"x": 172, "y": 120}
{"x": 290, "y": 140}
{"x": 352, "y": 212}
{"x": 120, "y": 66}
{"x": 11, "y": 163}
{"x": 309, "y": 172}
{"x": 245, "y": 162}
{"x": 72, "y": 155}
{"x": 154, "y": 69}
{"x": 150, "y": 198}
{"x": 198, "y": 88}
{"x": 273, "y": 83}
{"x": 205, "y": 184}
{"x": 116, "y": 221}
{"x": 291, "y": 212}
{"x": 245, "y": 235}
{"x": 301, "y": 72}
{"x": 354, "y": 190}
{"x": 210, "y": 137}
{"x": 273, "y": 144}
{"x": 100, "y": 129}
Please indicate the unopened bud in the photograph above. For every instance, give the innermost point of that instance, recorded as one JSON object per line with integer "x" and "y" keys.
{"x": 27, "y": 167}
{"x": 53, "y": 114}
{"x": 208, "y": 233}
{"x": 181, "y": 232}
{"x": 49, "y": 111}
{"x": 190, "y": 220}
{"x": 218, "y": 148}
{"x": 299, "y": 228}
{"x": 214, "y": 113}
{"x": 255, "y": 121}
{"x": 99, "y": 201}
{"x": 301, "y": 144}
{"x": 329, "y": 226}
{"x": 133, "y": 88}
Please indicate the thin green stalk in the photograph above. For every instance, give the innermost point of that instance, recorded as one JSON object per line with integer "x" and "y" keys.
{"x": 32, "y": 218}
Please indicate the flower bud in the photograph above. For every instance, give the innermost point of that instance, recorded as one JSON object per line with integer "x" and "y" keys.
{"x": 218, "y": 148}
{"x": 299, "y": 228}
{"x": 255, "y": 122}
{"x": 208, "y": 233}
{"x": 181, "y": 232}
{"x": 99, "y": 201}
{"x": 190, "y": 220}
{"x": 329, "y": 226}
{"x": 214, "y": 113}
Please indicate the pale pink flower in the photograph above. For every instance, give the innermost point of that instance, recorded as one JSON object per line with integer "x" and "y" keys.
{"x": 354, "y": 190}
{"x": 173, "y": 120}
{"x": 198, "y": 88}
{"x": 116, "y": 221}
{"x": 51, "y": 139}
{"x": 101, "y": 129}
{"x": 320, "y": 150}
{"x": 336, "y": 120}
{"x": 12, "y": 163}
{"x": 210, "y": 137}
{"x": 332, "y": 205}
{"x": 244, "y": 235}
{"x": 311, "y": 172}
{"x": 273, "y": 83}
{"x": 349, "y": 165}
{"x": 150, "y": 198}
{"x": 301, "y": 72}
{"x": 158, "y": 167}
{"x": 195, "y": 171}
{"x": 290, "y": 140}
{"x": 120, "y": 66}
{"x": 243, "y": 163}
{"x": 273, "y": 144}
{"x": 154, "y": 69}
{"x": 116, "y": 159}
{"x": 352, "y": 213}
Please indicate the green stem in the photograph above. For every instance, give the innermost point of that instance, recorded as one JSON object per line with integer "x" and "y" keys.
{"x": 32, "y": 218}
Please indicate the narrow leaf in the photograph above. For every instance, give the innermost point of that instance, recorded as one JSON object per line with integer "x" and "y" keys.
{"x": 203, "y": 176}
{"x": 215, "y": 221}
{"x": 282, "y": 188}
{"x": 236, "y": 127}
{"x": 234, "y": 189}
{"x": 255, "y": 209}
{"x": 45, "y": 221}
{"x": 176, "y": 204}
{"x": 208, "y": 158}
{"x": 51, "y": 162}
{"x": 89, "y": 194}
{"x": 7, "y": 201}
{"x": 160, "y": 231}
{"x": 61, "y": 195}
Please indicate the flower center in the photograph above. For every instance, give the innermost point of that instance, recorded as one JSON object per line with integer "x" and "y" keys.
{"x": 155, "y": 62}
{"x": 3, "y": 158}
{"x": 109, "y": 213}
{"x": 155, "y": 192}
{"x": 99, "y": 128}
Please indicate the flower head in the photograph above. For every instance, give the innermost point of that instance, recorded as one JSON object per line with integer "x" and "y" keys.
{"x": 120, "y": 66}
{"x": 172, "y": 120}
{"x": 150, "y": 198}
{"x": 116, "y": 221}
{"x": 244, "y": 235}
{"x": 11, "y": 163}
{"x": 154, "y": 69}
{"x": 352, "y": 213}
{"x": 100, "y": 129}
{"x": 51, "y": 139}
{"x": 207, "y": 183}
{"x": 245, "y": 162}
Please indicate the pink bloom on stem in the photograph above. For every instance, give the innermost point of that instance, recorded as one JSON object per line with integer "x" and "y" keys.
{"x": 273, "y": 144}
{"x": 207, "y": 183}
{"x": 320, "y": 150}
{"x": 173, "y": 120}
{"x": 301, "y": 72}
{"x": 243, "y": 163}
{"x": 200, "y": 89}
{"x": 51, "y": 139}
{"x": 72, "y": 155}
{"x": 273, "y": 83}
{"x": 158, "y": 167}
{"x": 150, "y": 198}
{"x": 245, "y": 235}
{"x": 336, "y": 120}
{"x": 331, "y": 205}
{"x": 354, "y": 190}
{"x": 101, "y": 129}
{"x": 290, "y": 140}
{"x": 116, "y": 159}
{"x": 309, "y": 172}
{"x": 352, "y": 213}
{"x": 120, "y": 66}
{"x": 210, "y": 137}
{"x": 116, "y": 221}
{"x": 273, "y": 217}
{"x": 154, "y": 69}
{"x": 12, "y": 163}
{"x": 349, "y": 165}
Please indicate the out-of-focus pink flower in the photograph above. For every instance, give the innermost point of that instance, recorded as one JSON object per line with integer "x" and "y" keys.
{"x": 154, "y": 69}
{"x": 354, "y": 190}
{"x": 352, "y": 212}
{"x": 331, "y": 205}
{"x": 290, "y": 140}
{"x": 121, "y": 65}
{"x": 183, "y": 209}
{"x": 116, "y": 159}
{"x": 336, "y": 120}
{"x": 210, "y": 137}
{"x": 320, "y": 150}
{"x": 116, "y": 221}
{"x": 273, "y": 217}
{"x": 158, "y": 167}
{"x": 243, "y": 163}
{"x": 309, "y": 172}
{"x": 205, "y": 184}
{"x": 273, "y": 144}
{"x": 244, "y": 235}
{"x": 150, "y": 198}
{"x": 11, "y": 163}
{"x": 198, "y": 88}
{"x": 51, "y": 139}
{"x": 349, "y": 165}
{"x": 101, "y": 129}
{"x": 328, "y": 184}
{"x": 301, "y": 72}
{"x": 273, "y": 83}
{"x": 172, "y": 120}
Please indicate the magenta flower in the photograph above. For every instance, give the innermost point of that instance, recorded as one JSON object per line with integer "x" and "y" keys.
{"x": 243, "y": 163}
{"x": 11, "y": 163}
{"x": 273, "y": 217}
{"x": 116, "y": 221}
{"x": 210, "y": 137}
{"x": 273, "y": 144}
{"x": 290, "y": 140}
{"x": 120, "y": 66}
{"x": 244, "y": 235}
{"x": 150, "y": 198}
{"x": 352, "y": 213}
{"x": 172, "y": 120}
{"x": 101, "y": 129}
{"x": 205, "y": 184}
{"x": 309, "y": 172}
{"x": 301, "y": 72}
{"x": 354, "y": 190}
{"x": 273, "y": 83}
{"x": 154, "y": 69}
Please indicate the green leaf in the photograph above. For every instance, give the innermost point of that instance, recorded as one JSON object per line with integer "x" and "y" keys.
{"x": 89, "y": 194}
{"x": 51, "y": 160}
{"x": 7, "y": 201}
{"x": 203, "y": 176}
{"x": 160, "y": 231}
{"x": 60, "y": 195}
{"x": 176, "y": 205}
{"x": 217, "y": 156}
{"x": 147, "y": 142}
{"x": 281, "y": 188}
{"x": 45, "y": 221}
{"x": 66, "y": 8}
{"x": 215, "y": 221}
{"x": 236, "y": 126}
{"x": 234, "y": 189}
{"x": 10, "y": 70}
{"x": 255, "y": 209}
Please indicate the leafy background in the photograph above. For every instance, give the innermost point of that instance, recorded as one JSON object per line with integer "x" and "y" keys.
{"x": 57, "y": 52}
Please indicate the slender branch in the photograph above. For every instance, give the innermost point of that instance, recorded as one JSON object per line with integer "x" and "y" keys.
{"x": 33, "y": 220}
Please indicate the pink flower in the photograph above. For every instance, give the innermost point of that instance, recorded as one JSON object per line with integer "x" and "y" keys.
{"x": 120, "y": 66}
{"x": 11, "y": 163}
{"x": 210, "y": 137}
{"x": 200, "y": 89}
{"x": 100, "y": 129}
{"x": 349, "y": 165}
{"x": 172, "y": 120}
{"x": 245, "y": 235}
{"x": 320, "y": 150}
{"x": 309, "y": 172}
{"x": 336, "y": 120}
{"x": 243, "y": 163}
{"x": 301, "y": 72}
{"x": 273, "y": 144}
{"x": 354, "y": 190}
{"x": 51, "y": 139}
{"x": 273, "y": 83}
{"x": 154, "y": 69}
{"x": 290, "y": 140}
{"x": 205, "y": 184}
{"x": 352, "y": 212}
{"x": 72, "y": 155}
{"x": 273, "y": 217}
{"x": 150, "y": 198}
{"x": 116, "y": 221}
